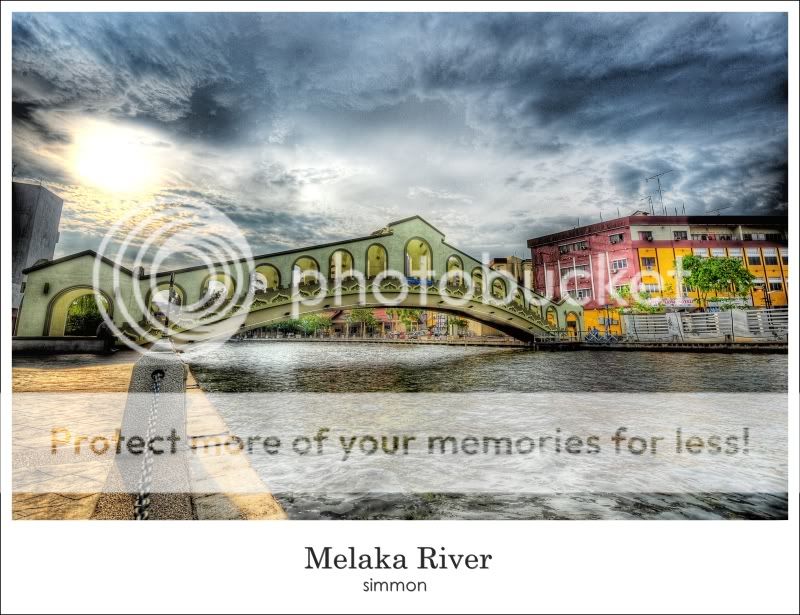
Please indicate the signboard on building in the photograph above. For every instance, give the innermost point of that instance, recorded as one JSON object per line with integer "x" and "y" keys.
{"x": 675, "y": 302}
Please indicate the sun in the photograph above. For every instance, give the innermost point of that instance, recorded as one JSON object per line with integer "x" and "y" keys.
{"x": 115, "y": 159}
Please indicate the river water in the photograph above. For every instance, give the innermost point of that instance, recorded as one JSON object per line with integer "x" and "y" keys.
{"x": 313, "y": 367}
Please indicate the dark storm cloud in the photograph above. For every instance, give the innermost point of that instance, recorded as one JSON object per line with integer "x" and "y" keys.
{"x": 455, "y": 114}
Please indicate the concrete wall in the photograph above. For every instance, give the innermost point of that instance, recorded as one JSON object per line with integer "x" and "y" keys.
{"x": 35, "y": 215}
{"x": 56, "y": 345}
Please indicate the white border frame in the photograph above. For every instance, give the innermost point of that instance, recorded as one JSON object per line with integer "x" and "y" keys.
{"x": 576, "y": 566}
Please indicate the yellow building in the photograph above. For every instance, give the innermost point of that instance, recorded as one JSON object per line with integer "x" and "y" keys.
{"x": 594, "y": 263}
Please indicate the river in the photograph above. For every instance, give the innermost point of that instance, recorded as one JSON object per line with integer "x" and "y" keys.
{"x": 313, "y": 367}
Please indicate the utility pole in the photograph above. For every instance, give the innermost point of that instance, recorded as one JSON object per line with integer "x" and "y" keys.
{"x": 657, "y": 177}
{"x": 169, "y": 303}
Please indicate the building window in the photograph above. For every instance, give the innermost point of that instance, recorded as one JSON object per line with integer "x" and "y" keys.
{"x": 734, "y": 252}
{"x": 773, "y": 237}
{"x": 650, "y": 287}
{"x": 621, "y": 263}
{"x": 718, "y": 252}
{"x": 581, "y": 293}
{"x": 770, "y": 256}
{"x": 775, "y": 284}
{"x": 700, "y": 252}
{"x": 699, "y": 237}
{"x": 646, "y": 235}
{"x": 679, "y": 235}
{"x": 565, "y": 271}
{"x": 753, "y": 257}
{"x": 573, "y": 247}
{"x": 617, "y": 238}
{"x": 724, "y": 237}
{"x": 785, "y": 257}
{"x": 622, "y": 289}
{"x": 648, "y": 262}
{"x": 756, "y": 236}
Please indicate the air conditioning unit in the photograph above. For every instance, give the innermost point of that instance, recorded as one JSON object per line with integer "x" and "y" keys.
{"x": 614, "y": 271}
{"x": 649, "y": 238}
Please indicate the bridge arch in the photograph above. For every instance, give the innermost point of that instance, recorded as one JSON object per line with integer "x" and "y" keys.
{"x": 418, "y": 256}
{"x": 377, "y": 260}
{"x": 59, "y": 306}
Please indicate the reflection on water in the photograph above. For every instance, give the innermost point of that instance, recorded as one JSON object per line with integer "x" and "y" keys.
{"x": 556, "y": 506}
{"x": 316, "y": 367}
{"x": 352, "y": 367}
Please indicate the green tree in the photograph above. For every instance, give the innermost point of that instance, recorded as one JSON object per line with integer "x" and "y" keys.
{"x": 410, "y": 317}
{"x": 363, "y": 316}
{"x": 456, "y": 323}
{"x": 83, "y": 316}
{"x": 638, "y": 306}
{"x": 716, "y": 275}
{"x": 312, "y": 323}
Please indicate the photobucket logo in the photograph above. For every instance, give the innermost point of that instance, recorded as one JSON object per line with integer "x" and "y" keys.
{"x": 208, "y": 303}
{"x": 456, "y": 288}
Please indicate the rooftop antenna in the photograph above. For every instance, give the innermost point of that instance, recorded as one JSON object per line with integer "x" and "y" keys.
{"x": 684, "y": 207}
{"x": 650, "y": 202}
{"x": 718, "y": 209}
{"x": 618, "y": 216}
{"x": 657, "y": 177}
{"x": 601, "y": 215}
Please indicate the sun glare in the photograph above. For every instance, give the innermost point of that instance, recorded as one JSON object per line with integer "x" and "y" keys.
{"x": 118, "y": 160}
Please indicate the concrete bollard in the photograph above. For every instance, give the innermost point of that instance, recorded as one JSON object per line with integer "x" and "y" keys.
{"x": 152, "y": 452}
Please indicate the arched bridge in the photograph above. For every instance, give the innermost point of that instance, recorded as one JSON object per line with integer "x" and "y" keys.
{"x": 273, "y": 287}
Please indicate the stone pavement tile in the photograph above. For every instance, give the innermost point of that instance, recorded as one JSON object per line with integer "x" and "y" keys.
{"x": 53, "y": 505}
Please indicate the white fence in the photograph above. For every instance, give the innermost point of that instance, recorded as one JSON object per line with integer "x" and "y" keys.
{"x": 729, "y": 326}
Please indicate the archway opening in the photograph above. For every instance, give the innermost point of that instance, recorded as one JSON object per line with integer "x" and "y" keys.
{"x": 83, "y": 315}
{"x": 265, "y": 277}
{"x": 477, "y": 282}
{"x": 75, "y": 311}
{"x": 419, "y": 259}
{"x": 218, "y": 289}
{"x": 572, "y": 325}
{"x": 552, "y": 317}
{"x": 499, "y": 288}
{"x": 163, "y": 301}
{"x": 340, "y": 265}
{"x": 455, "y": 270}
{"x": 377, "y": 260}
{"x": 306, "y": 267}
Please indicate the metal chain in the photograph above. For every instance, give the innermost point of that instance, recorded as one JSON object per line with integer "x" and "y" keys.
{"x": 142, "y": 506}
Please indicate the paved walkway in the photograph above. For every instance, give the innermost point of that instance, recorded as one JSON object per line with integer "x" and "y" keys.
{"x": 70, "y": 487}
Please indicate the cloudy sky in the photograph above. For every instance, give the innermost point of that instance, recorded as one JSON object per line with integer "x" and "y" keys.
{"x": 306, "y": 128}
